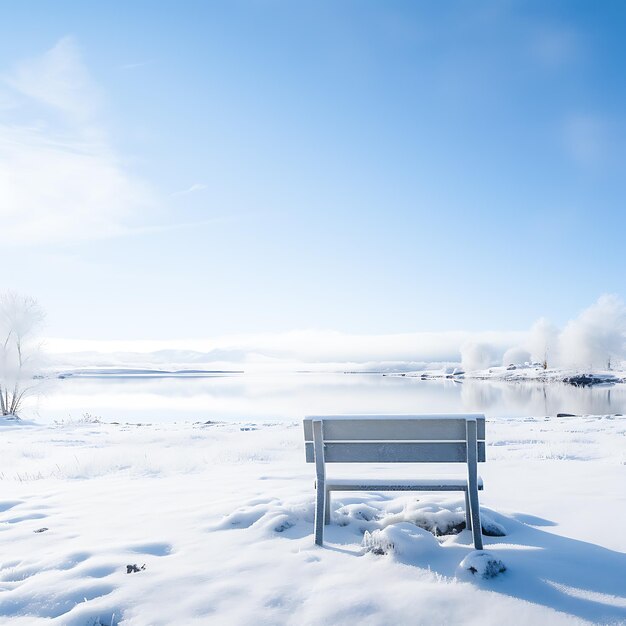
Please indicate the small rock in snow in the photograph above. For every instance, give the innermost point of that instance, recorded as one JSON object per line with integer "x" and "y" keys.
{"x": 482, "y": 564}
{"x": 283, "y": 526}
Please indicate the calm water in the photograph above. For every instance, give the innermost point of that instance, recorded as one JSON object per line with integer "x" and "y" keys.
{"x": 291, "y": 396}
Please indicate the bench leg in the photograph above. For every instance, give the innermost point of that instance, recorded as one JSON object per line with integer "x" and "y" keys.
{"x": 468, "y": 515}
{"x": 320, "y": 506}
{"x": 327, "y": 508}
{"x": 475, "y": 514}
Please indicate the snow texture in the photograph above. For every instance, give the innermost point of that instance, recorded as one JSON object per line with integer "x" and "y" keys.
{"x": 215, "y": 522}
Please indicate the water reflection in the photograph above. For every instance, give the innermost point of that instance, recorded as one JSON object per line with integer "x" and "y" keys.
{"x": 291, "y": 396}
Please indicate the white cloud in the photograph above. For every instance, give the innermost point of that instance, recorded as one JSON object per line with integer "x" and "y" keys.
{"x": 59, "y": 79}
{"x": 193, "y": 189}
{"x": 60, "y": 179}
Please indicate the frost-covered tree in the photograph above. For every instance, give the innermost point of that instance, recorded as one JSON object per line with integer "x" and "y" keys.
{"x": 477, "y": 355}
{"x": 597, "y": 336}
{"x": 543, "y": 342}
{"x": 515, "y": 356}
{"x": 21, "y": 317}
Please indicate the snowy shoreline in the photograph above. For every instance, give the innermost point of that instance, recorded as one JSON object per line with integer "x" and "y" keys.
{"x": 220, "y": 514}
{"x": 512, "y": 373}
{"x": 533, "y": 372}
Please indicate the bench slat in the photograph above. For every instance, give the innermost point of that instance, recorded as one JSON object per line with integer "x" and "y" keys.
{"x": 395, "y": 427}
{"x": 391, "y": 484}
{"x": 397, "y": 452}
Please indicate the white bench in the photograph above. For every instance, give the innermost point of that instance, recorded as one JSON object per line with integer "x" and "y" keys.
{"x": 396, "y": 439}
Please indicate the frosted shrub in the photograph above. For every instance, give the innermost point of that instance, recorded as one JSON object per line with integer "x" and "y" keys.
{"x": 20, "y": 319}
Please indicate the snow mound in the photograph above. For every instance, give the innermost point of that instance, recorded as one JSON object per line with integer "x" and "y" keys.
{"x": 481, "y": 564}
{"x": 269, "y": 516}
{"x": 436, "y": 519}
{"x": 441, "y": 519}
{"x": 361, "y": 514}
{"x": 404, "y": 539}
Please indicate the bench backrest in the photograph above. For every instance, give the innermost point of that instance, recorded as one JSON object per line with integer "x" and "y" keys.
{"x": 396, "y": 438}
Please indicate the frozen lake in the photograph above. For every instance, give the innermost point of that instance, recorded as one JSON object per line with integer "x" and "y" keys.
{"x": 280, "y": 397}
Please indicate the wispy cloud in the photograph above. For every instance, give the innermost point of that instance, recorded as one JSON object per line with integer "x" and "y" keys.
{"x": 58, "y": 78}
{"x": 193, "y": 189}
{"x": 61, "y": 180}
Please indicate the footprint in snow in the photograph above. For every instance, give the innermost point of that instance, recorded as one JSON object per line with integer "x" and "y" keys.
{"x": 25, "y": 517}
{"x": 5, "y": 505}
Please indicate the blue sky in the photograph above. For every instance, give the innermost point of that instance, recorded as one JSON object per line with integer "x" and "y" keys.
{"x": 192, "y": 169}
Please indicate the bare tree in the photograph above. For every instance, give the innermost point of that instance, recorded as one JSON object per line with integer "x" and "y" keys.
{"x": 20, "y": 319}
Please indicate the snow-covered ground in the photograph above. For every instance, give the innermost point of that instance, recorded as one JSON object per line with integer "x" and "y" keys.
{"x": 221, "y": 515}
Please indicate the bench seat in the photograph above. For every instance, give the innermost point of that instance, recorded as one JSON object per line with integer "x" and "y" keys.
{"x": 415, "y": 484}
